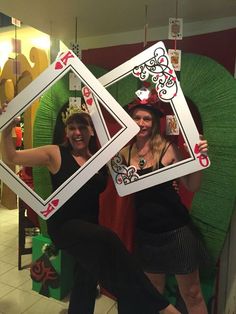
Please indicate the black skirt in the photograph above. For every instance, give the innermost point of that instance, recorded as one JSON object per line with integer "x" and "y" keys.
{"x": 180, "y": 251}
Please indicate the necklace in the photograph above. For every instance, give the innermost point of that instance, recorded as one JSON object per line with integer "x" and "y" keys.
{"x": 142, "y": 159}
{"x": 142, "y": 162}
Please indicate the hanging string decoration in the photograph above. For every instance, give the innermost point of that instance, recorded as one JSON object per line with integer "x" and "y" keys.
{"x": 74, "y": 46}
{"x": 145, "y": 27}
{"x": 175, "y": 33}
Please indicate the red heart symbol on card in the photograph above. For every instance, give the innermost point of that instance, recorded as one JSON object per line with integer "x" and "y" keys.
{"x": 89, "y": 101}
{"x": 55, "y": 202}
{"x": 58, "y": 65}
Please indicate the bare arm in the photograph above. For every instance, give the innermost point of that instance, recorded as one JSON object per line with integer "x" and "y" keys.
{"x": 47, "y": 156}
{"x": 192, "y": 181}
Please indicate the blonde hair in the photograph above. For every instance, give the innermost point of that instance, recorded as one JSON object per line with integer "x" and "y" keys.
{"x": 157, "y": 146}
{"x": 157, "y": 142}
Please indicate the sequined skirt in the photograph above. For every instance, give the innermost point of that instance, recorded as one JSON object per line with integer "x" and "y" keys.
{"x": 180, "y": 251}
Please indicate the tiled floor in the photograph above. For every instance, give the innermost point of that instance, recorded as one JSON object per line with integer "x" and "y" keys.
{"x": 16, "y": 294}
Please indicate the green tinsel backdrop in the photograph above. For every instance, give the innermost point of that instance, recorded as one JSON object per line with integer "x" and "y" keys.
{"x": 213, "y": 90}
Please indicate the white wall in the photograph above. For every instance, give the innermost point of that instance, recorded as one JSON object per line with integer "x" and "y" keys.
{"x": 155, "y": 34}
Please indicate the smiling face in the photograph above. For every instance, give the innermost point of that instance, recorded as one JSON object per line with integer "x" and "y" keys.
{"x": 144, "y": 120}
{"x": 78, "y": 132}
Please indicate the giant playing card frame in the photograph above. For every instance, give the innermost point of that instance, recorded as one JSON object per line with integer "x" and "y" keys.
{"x": 154, "y": 63}
{"x": 67, "y": 61}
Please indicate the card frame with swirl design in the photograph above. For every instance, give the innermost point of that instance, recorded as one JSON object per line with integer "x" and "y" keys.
{"x": 154, "y": 63}
{"x": 66, "y": 62}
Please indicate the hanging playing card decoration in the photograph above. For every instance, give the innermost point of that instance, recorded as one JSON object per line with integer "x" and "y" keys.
{"x": 172, "y": 127}
{"x": 175, "y": 28}
{"x": 74, "y": 46}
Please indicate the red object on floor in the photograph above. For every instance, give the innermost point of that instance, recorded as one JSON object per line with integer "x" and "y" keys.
{"x": 26, "y": 175}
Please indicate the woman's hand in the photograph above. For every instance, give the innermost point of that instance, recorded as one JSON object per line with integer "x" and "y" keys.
{"x": 202, "y": 145}
{"x": 3, "y": 108}
{"x": 192, "y": 181}
{"x": 11, "y": 125}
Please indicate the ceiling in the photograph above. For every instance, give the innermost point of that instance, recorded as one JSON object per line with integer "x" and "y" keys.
{"x": 102, "y": 17}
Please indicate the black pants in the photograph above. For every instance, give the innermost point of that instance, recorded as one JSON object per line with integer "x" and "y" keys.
{"x": 83, "y": 293}
{"x": 103, "y": 258}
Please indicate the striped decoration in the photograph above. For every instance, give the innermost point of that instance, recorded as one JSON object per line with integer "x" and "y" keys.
{"x": 213, "y": 90}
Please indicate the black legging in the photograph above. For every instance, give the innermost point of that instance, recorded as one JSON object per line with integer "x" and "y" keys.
{"x": 103, "y": 258}
{"x": 83, "y": 293}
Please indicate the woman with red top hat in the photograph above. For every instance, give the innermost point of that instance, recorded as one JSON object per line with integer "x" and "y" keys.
{"x": 166, "y": 241}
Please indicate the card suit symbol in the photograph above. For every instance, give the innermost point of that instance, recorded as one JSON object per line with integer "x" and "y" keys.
{"x": 89, "y": 101}
{"x": 55, "y": 202}
{"x": 86, "y": 91}
{"x": 136, "y": 74}
{"x": 42, "y": 271}
{"x": 196, "y": 149}
{"x": 58, "y": 65}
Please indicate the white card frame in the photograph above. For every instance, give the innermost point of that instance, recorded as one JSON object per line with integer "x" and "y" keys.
{"x": 67, "y": 61}
{"x": 154, "y": 62}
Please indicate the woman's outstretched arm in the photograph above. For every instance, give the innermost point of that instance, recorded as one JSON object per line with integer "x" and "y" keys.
{"x": 41, "y": 156}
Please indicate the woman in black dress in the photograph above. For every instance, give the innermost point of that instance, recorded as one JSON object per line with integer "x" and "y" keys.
{"x": 99, "y": 253}
{"x": 166, "y": 241}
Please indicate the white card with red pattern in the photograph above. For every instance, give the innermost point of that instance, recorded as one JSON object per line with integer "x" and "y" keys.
{"x": 66, "y": 62}
{"x": 154, "y": 65}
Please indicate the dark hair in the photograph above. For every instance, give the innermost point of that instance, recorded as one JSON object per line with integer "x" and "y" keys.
{"x": 80, "y": 118}
{"x": 152, "y": 108}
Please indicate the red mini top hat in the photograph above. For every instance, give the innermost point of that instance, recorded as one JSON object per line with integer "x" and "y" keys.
{"x": 148, "y": 100}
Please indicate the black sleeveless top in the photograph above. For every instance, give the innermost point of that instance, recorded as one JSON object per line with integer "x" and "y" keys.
{"x": 84, "y": 204}
{"x": 159, "y": 208}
